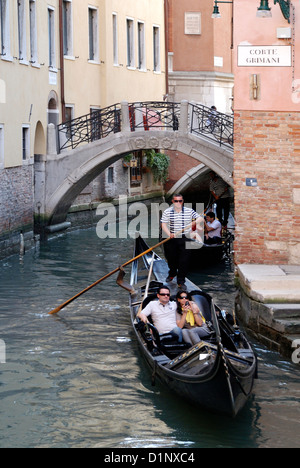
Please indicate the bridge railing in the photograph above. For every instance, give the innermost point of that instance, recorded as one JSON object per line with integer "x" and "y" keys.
{"x": 90, "y": 127}
{"x": 166, "y": 116}
{"x": 154, "y": 115}
{"x": 211, "y": 124}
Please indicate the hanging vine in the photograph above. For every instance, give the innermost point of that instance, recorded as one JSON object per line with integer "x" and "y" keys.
{"x": 159, "y": 164}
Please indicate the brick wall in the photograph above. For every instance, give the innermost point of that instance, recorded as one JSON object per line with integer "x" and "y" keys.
{"x": 16, "y": 200}
{"x": 179, "y": 165}
{"x": 267, "y": 147}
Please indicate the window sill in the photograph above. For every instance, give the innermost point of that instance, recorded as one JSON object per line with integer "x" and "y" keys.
{"x": 7, "y": 58}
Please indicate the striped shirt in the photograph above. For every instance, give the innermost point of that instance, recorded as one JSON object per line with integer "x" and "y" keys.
{"x": 178, "y": 221}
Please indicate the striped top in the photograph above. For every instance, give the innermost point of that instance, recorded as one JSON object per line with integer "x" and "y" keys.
{"x": 178, "y": 221}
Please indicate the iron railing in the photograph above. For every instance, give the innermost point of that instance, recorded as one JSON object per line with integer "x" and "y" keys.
{"x": 154, "y": 115}
{"x": 90, "y": 127}
{"x": 203, "y": 121}
{"x": 211, "y": 124}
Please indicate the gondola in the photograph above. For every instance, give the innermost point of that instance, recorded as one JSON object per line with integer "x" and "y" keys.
{"x": 208, "y": 254}
{"x": 216, "y": 374}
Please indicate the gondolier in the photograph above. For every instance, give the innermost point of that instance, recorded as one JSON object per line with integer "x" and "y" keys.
{"x": 221, "y": 195}
{"x": 178, "y": 219}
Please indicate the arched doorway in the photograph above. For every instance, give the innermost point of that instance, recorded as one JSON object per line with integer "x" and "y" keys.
{"x": 53, "y": 111}
{"x": 39, "y": 139}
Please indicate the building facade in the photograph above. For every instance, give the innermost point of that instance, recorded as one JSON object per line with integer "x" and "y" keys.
{"x": 61, "y": 59}
{"x": 200, "y": 52}
{"x": 267, "y": 134}
{"x": 200, "y": 57}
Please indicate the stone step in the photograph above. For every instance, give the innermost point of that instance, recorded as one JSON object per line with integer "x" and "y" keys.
{"x": 289, "y": 326}
{"x": 283, "y": 310}
{"x": 267, "y": 283}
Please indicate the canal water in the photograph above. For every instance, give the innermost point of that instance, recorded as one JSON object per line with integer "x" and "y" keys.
{"x": 76, "y": 379}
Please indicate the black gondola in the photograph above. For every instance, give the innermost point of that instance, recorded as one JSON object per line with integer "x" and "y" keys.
{"x": 216, "y": 374}
{"x": 208, "y": 254}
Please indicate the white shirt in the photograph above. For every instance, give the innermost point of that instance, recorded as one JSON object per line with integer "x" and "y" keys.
{"x": 217, "y": 228}
{"x": 164, "y": 317}
{"x": 178, "y": 221}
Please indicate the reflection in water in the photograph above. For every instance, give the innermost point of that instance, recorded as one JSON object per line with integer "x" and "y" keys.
{"x": 77, "y": 380}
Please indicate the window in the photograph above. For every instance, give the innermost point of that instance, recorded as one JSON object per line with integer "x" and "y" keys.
{"x": 51, "y": 35}
{"x": 33, "y": 32}
{"x": 4, "y": 30}
{"x": 96, "y": 124}
{"x": 1, "y": 146}
{"x": 22, "y": 31}
{"x": 115, "y": 39}
{"x": 25, "y": 143}
{"x": 67, "y": 28}
{"x": 69, "y": 113}
{"x": 156, "y": 49}
{"x": 136, "y": 171}
{"x": 130, "y": 43}
{"x": 110, "y": 175}
{"x": 93, "y": 35}
{"x": 69, "y": 110}
{"x": 141, "y": 46}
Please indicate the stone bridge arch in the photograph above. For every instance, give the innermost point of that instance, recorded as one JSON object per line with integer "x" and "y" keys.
{"x": 60, "y": 178}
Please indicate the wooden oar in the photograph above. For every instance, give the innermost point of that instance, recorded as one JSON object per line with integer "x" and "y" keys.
{"x": 62, "y": 306}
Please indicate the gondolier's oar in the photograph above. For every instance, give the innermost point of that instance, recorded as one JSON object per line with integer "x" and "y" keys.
{"x": 62, "y": 306}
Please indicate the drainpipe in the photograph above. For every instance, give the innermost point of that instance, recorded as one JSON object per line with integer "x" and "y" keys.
{"x": 166, "y": 5}
{"x": 62, "y": 63}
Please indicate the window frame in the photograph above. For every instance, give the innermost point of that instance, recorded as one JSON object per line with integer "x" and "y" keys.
{"x": 156, "y": 49}
{"x": 130, "y": 43}
{"x": 68, "y": 29}
{"x": 141, "y": 46}
{"x": 51, "y": 39}
{"x": 25, "y": 143}
{"x": 5, "y": 52}
{"x": 93, "y": 26}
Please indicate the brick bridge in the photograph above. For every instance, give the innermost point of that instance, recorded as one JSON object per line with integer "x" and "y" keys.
{"x": 79, "y": 150}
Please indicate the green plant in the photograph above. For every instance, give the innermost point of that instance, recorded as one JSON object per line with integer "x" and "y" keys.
{"x": 127, "y": 158}
{"x": 159, "y": 164}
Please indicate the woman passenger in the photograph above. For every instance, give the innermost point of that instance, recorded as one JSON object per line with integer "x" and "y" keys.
{"x": 190, "y": 319}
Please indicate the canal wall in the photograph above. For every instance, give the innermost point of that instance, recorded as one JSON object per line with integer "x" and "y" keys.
{"x": 268, "y": 304}
{"x": 16, "y": 209}
{"x": 85, "y": 214}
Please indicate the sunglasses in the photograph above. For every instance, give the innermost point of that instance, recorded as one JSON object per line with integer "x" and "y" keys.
{"x": 168, "y": 295}
{"x": 183, "y": 297}
{"x": 177, "y": 201}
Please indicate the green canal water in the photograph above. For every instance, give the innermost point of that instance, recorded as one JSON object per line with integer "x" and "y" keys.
{"x": 77, "y": 380}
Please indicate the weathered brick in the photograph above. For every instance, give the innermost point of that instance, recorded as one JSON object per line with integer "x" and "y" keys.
{"x": 266, "y": 213}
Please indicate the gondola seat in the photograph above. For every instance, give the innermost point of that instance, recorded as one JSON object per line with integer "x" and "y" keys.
{"x": 168, "y": 343}
{"x": 203, "y": 303}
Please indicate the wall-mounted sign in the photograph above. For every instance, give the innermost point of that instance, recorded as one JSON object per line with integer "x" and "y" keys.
{"x": 264, "y": 56}
{"x": 192, "y": 23}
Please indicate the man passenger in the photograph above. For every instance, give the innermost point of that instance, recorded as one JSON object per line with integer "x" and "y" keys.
{"x": 163, "y": 313}
{"x": 213, "y": 229}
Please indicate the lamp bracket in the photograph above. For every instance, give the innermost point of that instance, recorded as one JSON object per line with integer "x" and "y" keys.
{"x": 285, "y": 6}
